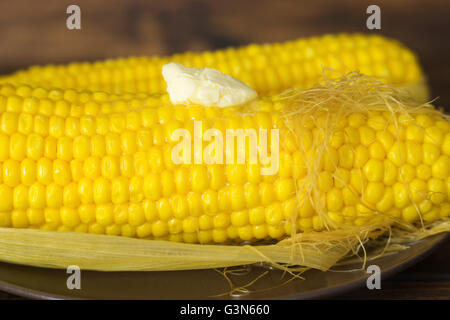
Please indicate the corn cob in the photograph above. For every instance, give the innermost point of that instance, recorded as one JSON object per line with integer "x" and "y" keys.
{"x": 68, "y": 166}
{"x": 268, "y": 68}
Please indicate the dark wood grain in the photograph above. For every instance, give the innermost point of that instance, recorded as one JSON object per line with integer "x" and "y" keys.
{"x": 34, "y": 32}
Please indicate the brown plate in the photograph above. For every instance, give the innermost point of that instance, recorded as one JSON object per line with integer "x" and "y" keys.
{"x": 44, "y": 283}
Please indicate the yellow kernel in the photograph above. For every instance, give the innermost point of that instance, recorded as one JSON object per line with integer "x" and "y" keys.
{"x": 260, "y": 231}
{"x": 72, "y": 127}
{"x": 19, "y": 219}
{"x": 35, "y": 146}
{"x": 110, "y": 167}
{"x": 54, "y": 195}
{"x": 6, "y": 194}
{"x": 434, "y": 135}
{"x": 26, "y": 123}
{"x": 144, "y": 139}
{"x": 397, "y": 153}
{"x": 211, "y": 204}
{"x": 219, "y": 235}
{"x": 306, "y": 224}
{"x": 199, "y": 178}
{"x": 337, "y": 139}
{"x": 274, "y": 214}
{"x": 18, "y": 146}
{"x": 87, "y": 125}
{"x": 37, "y": 196}
{"x": 120, "y": 213}
{"x": 431, "y": 153}
{"x": 87, "y": 213}
{"x": 377, "y": 122}
{"x": 335, "y": 199}
{"x": 246, "y": 233}
{"x": 352, "y": 136}
{"x": 112, "y": 141}
{"x": 69, "y": 217}
{"x": 11, "y": 172}
{"x": 331, "y": 158}
{"x": 136, "y": 215}
{"x": 164, "y": 208}
{"x": 374, "y": 170}
{"x": 115, "y": 230}
{"x": 20, "y": 196}
{"x": 216, "y": 174}
{"x": 128, "y": 142}
{"x": 341, "y": 177}
{"x": 346, "y": 156}
{"x": 205, "y": 222}
{"x": 414, "y": 153}
{"x": 445, "y": 210}
{"x": 190, "y": 225}
{"x": 438, "y": 190}
{"x": 28, "y": 172}
{"x": 376, "y": 150}
{"x": 414, "y": 133}
{"x": 167, "y": 183}
{"x": 424, "y": 121}
{"x": 160, "y": 228}
{"x": 150, "y": 211}
{"x": 81, "y": 147}
{"x": 441, "y": 168}
{"x": 120, "y": 190}
{"x": 152, "y": 186}
{"x": 432, "y": 215}
{"x": 357, "y": 180}
{"x": 61, "y": 172}
{"x": 104, "y": 214}
{"x": 44, "y": 171}
{"x": 175, "y": 226}
{"x": 374, "y": 192}
{"x": 350, "y": 196}
{"x": 240, "y": 218}
{"x": 367, "y": 135}
{"x": 361, "y": 156}
{"x": 356, "y": 120}
{"x": 57, "y": 126}
{"x": 387, "y": 200}
{"x": 318, "y": 224}
{"x": 195, "y": 204}
{"x": 410, "y": 214}
{"x": 9, "y": 122}
{"x": 325, "y": 181}
{"x": 446, "y": 145}
{"x": 126, "y": 230}
{"x": 35, "y": 216}
{"x": 64, "y": 148}
{"x": 401, "y": 195}
{"x": 275, "y": 232}
{"x": 406, "y": 173}
{"x": 126, "y": 166}
{"x": 70, "y": 196}
{"x": 41, "y": 125}
{"x": 284, "y": 189}
{"x": 101, "y": 190}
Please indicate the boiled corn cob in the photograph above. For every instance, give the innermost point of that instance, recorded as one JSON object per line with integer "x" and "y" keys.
{"x": 268, "y": 68}
{"x": 66, "y": 169}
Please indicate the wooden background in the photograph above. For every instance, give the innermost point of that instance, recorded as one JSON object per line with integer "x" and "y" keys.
{"x": 34, "y": 32}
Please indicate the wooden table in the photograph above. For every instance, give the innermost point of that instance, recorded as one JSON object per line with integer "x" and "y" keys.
{"x": 33, "y": 33}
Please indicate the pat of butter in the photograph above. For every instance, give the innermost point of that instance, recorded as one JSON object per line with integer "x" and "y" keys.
{"x": 207, "y": 87}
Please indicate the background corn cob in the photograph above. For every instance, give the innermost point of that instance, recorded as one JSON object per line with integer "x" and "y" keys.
{"x": 67, "y": 168}
{"x": 268, "y": 68}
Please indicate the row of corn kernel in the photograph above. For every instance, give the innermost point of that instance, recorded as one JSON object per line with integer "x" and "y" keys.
{"x": 267, "y": 68}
